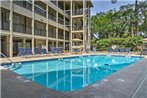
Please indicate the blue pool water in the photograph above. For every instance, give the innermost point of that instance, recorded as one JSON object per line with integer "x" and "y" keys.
{"x": 69, "y": 74}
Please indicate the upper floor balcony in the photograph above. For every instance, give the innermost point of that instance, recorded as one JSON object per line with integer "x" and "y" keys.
{"x": 51, "y": 31}
{"x": 40, "y": 32}
{"x": 52, "y": 17}
{"x": 61, "y": 21}
{"x": 52, "y": 14}
{"x": 21, "y": 28}
{"x": 24, "y": 4}
{"x": 40, "y": 8}
{"x": 61, "y": 5}
{"x": 60, "y": 34}
{"x": 40, "y": 28}
{"x": 67, "y": 35}
{"x": 5, "y": 23}
{"x": 77, "y": 12}
{"x": 81, "y": 12}
{"x": 54, "y": 2}
{"x": 52, "y": 34}
{"x": 22, "y": 24}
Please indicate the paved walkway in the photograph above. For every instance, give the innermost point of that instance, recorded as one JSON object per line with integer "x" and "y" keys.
{"x": 14, "y": 86}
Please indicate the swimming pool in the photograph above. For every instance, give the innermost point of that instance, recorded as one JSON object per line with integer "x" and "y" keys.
{"x": 73, "y": 73}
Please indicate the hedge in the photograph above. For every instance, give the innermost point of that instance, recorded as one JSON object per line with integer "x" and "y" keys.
{"x": 129, "y": 42}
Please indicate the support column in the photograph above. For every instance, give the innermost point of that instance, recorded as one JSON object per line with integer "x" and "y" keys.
{"x": 71, "y": 1}
{"x": 57, "y": 26}
{"x": 47, "y": 29}
{"x": 24, "y": 42}
{"x": 33, "y": 26}
{"x": 33, "y": 45}
{"x": 11, "y": 30}
{"x": 64, "y": 28}
{"x": 7, "y": 45}
{"x": 84, "y": 39}
{"x": 89, "y": 26}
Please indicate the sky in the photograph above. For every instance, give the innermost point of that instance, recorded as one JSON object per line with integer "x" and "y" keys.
{"x": 106, "y": 5}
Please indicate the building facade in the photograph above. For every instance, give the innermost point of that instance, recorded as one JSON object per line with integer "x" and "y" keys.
{"x": 44, "y": 24}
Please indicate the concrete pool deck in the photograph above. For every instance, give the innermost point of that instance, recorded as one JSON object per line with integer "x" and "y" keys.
{"x": 130, "y": 82}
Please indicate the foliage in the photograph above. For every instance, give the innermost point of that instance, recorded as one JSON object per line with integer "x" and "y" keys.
{"x": 129, "y": 42}
{"x": 121, "y": 23}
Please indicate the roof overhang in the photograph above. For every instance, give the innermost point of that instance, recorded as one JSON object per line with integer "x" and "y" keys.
{"x": 90, "y": 3}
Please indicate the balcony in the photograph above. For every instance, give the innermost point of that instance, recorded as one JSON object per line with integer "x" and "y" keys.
{"x": 60, "y": 5}
{"x": 21, "y": 28}
{"x": 67, "y": 37}
{"x": 5, "y": 26}
{"x": 28, "y": 30}
{"x": 54, "y": 2}
{"x": 40, "y": 32}
{"x": 67, "y": 23}
{"x": 60, "y": 37}
{"x": 24, "y": 4}
{"x": 52, "y": 34}
{"x": 77, "y": 27}
{"x": 52, "y": 17}
{"x": 60, "y": 20}
{"x": 40, "y": 10}
{"x": 78, "y": 12}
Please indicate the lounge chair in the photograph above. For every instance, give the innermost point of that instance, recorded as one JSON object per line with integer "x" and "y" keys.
{"x": 22, "y": 52}
{"x": 54, "y": 50}
{"x": 110, "y": 50}
{"x": 29, "y": 52}
{"x": 122, "y": 50}
{"x": 60, "y": 50}
{"x": 128, "y": 50}
{"x": 75, "y": 51}
{"x": 44, "y": 52}
{"x": 36, "y": 51}
{"x": 116, "y": 50}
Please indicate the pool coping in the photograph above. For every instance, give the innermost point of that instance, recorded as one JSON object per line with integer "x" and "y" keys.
{"x": 64, "y": 56}
{"x": 94, "y": 91}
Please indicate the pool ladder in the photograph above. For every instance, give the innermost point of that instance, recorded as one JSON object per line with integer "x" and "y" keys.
{"x": 7, "y": 58}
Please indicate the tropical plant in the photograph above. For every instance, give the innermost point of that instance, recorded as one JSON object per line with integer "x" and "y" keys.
{"x": 121, "y": 23}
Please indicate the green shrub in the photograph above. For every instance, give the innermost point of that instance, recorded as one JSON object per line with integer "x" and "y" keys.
{"x": 129, "y": 42}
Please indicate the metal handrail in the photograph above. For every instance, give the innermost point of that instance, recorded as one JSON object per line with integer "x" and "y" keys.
{"x": 6, "y": 57}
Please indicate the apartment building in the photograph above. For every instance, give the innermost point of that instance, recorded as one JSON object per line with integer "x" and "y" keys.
{"x": 44, "y": 24}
